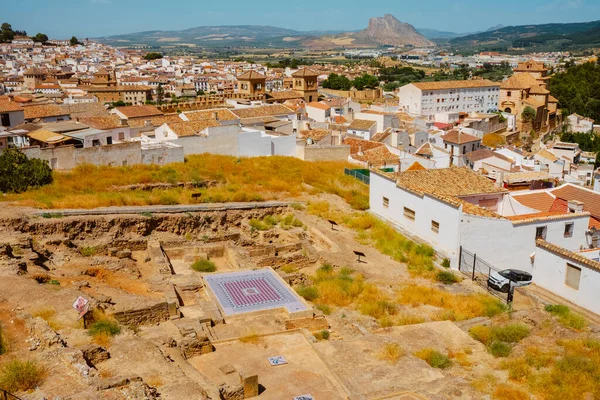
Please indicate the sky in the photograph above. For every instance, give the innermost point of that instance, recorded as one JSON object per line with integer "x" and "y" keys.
{"x": 94, "y": 18}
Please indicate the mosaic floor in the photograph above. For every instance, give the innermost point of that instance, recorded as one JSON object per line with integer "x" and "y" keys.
{"x": 248, "y": 291}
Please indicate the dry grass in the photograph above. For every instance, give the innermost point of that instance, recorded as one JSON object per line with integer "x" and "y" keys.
{"x": 391, "y": 352}
{"x": 102, "y": 339}
{"x": 434, "y": 358}
{"x": 456, "y": 307}
{"x": 239, "y": 180}
{"x": 17, "y": 376}
{"x": 493, "y": 140}
{"x": 373, "y": 231}
{"x": 509, "y": 392}
{"x": 485, "y": 383}
{"x": 48, "y": 314}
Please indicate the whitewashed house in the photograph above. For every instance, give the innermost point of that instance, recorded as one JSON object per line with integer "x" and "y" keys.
{"x": 579, "y": 124}
{"x": 456, "y": 207}
{"x": 363, "y": 128}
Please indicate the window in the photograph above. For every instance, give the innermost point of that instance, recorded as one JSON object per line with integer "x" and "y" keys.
{"x": 540, "y": 232}
{"x": 121, "y": 135}
{"x": 409, "y": 214}
{"x": 386, "y": 202}
{"x": 569, "y": 229}
{"x": 435, "y": 226}
{"x": 573, "y": 276}
{"x": 508, "y": 93}
{"x": 109, "y": 140}
{"x": 95, "y": 142}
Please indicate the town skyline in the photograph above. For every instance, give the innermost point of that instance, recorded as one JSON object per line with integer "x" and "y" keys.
{"x": 467, "y": 16}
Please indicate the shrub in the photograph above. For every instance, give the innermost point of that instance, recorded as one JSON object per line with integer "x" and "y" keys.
{"x": 324, "y": 308}
{"x": 511, "y": 333}
{"x": 309, "y": 293}
{"x": 19, "y": 173}
{"x": 518, "y": 369}
{"x": 500, "y": 349}
{"x": 18, "y": 376}
{"x": 88, "y": 251}
{"x": 482, "y": 334}
{"x": 446, "y": 263}
{"x": 52, "y": 215}
{"x": 3, "y": 344}
{"x": 446, "y": 277}
{"x": 322, "y": 335}
{"x": 204, "y": 266}
{"x": 434, "y": 358}
{"x": 391, "y": 352}
{"x": 375, "y": 304}
{"x": 290, "y": 221}
{"x": 105, "y": 327}
{"x": 566, "y": 317}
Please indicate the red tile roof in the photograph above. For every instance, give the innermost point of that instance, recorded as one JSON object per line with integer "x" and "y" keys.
{"x": 589, "y": 198}
{"x": 541, "y": 201}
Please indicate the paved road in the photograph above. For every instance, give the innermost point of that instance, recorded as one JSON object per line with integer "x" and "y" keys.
{"x": 166, "y": 209}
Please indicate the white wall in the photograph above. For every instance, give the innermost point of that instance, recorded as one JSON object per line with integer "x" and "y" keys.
{"x": 317, "y": 114}
{"x": 426, "y": 209}
{"x": 550, "y": 273}
{"x": 505, "y": 245}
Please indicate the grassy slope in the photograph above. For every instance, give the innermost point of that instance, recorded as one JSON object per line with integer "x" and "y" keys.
{"x": 239, "y": 180}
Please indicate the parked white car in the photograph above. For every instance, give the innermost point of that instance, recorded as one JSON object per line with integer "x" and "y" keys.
{"x": 503, "y": 280}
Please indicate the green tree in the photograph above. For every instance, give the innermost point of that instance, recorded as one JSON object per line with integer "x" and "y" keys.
{"x": 366, "y": 81}
{"x": 19, "y": 173}
{"x": 74, "y": 41}
{"x": 578, "y": 90}
{"x": 6, "y": 32}
{"x": 153, "y": 56}
{"x": 597, "y": 163}
{"x": 337, "y": 82}
{"x": 528, "y": 114}
{"x": 40, "y": 38}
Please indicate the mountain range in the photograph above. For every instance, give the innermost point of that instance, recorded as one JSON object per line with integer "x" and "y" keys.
{"x": 385, "y": 31}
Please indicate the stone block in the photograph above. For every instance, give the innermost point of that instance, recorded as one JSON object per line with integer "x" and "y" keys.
{"x": 250, "y": 384}
{"x": 94, "y": 354}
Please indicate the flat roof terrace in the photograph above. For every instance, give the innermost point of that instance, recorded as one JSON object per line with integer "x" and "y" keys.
{"x": 243, "y": 292}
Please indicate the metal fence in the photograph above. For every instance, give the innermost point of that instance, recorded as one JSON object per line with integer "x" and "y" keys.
{"x": 362, "y": 175}
{"x": 479, "y": 271}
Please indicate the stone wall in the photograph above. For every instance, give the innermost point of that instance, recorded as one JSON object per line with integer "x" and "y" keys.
{"x": 322, "y": 153}
{"x": 367, "y": 94}
{"x": 149, "y": 315}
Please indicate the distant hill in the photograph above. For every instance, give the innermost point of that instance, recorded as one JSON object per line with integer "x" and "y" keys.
{"x": 389, "y": 31}
{"x": 546, "y": 37}
{"x": 381, "y": 31}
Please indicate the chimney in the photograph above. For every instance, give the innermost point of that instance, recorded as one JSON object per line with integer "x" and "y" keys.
{"x": 575, "y": 206}
{"x": 360, "y": 152}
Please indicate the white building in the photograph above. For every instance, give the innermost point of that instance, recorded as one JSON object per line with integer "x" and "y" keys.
{"x": 456, "y": 208}
{"x": 363, "y": 128}
{"x": 579, "y": 124}
{"x": 431, "y": 98}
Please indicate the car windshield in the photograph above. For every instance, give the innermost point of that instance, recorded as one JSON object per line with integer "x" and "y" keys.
{"x": 506, "y": 273}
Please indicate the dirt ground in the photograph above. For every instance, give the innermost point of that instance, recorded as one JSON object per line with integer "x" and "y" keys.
{"x": 175, "y": 344}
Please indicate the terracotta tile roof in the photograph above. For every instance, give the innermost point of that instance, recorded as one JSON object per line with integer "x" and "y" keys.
{"x": 425, "y": 150}
{"x": 188, "y": 128}
{"x": 316, "y": 104}
{"x": 285, "y": 95}
{"x": 568, "y": 254}
{"x": 542, "y": 216}
{"x": 538, "y": 89}
{"x": 381, "y": 136}
{"x": 530, "y": 65}
{"x": 139, "y": 111}
{"x": 416, "y": 167}
{"x": 541, "y": 201}
{"x": 305, "y": 72}
{"x": 94, "y": 109}
{"x": 560, "y": 205}
{"x": 480, "y": 154}
{"x": 357, "y": 145}
{"x": 528, "y": 176}
{"x": 103, "y": 122}
{"x": 361, "y": 125}
{"x": 447, "y": 182}
{"x": 9, "y": 106}
{"x": 314, "y": 134}
{"x": 43, "y": 111}
{"x": 457, "y": 137}
{"x": 442, "y": 85}
{"x": 594, "y": 223}
{"x": 154, "y": 121}
{"x": 222, "y": 114}
{"x": 338, "y": 119}
{"x": 589, "y": 198}
{"x": 546, "y": 154}
{"x": 262, "y": 111}
{"x": 519, "y": 81}
{"x": 47, "y": 136}
{"x": 250, "y": 75}
{"x": 377, "y": 156}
